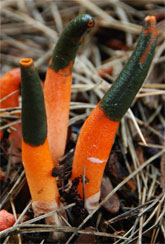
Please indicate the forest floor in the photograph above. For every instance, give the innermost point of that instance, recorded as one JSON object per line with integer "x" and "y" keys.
{"x": 134, "y": 176}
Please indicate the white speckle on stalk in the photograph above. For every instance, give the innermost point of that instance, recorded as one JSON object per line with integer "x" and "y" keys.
{"x": 96, "y": 160}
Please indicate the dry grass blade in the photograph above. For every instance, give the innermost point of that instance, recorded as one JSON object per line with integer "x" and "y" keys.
{"x": 163, "y": 172}
{"x": 137, "y": 127}
{"x": 17, "y": 226}
{"x": 107, "y": 20}
{"x": 151, "y": 216}
{"x": 151, "y": 145}
{"x": 50, "y": 228}
{"x": 12, "y": 189}
{"x": 30, "y": 21}
{"x": 132, "y": 212}
{"x": 10, "y": 125}
{"x": 12, "y": 93}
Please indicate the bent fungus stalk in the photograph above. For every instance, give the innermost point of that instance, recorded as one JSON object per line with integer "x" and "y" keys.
{"x": 57, "y": 87}
{"x": 9, "y": 93}
{"x": 10, "y": 83}
{"x": 98, "y": 132}
{"x": 35, "y": 149}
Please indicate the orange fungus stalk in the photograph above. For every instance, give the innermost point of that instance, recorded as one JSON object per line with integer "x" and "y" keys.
{"x": 35, "y": 149}
{"x": 9, "y": 83}
{"x": 57, "y": 87}
{"x": 9, "y": 98}
{"x": 98, "y": 132}
{"x": 6, "y": 220}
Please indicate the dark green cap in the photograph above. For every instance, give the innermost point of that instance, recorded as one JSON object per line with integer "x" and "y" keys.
{"x": 70, "y": 40}
{"x": 119, "y": 97}
{"x": 34, "y": 125}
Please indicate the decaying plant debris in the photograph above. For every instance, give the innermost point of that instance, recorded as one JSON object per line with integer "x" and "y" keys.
{"x": 136, "y": 164}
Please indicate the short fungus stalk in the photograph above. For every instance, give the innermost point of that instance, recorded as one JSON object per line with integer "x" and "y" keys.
{"x": 57, "y": 87}
{"x": 35, "y": 149}
{"x": 9, "y": 83}
{"x": 6, "y": 220}
{"x": 98, "y": 132}
{"x": 9, "y": 94}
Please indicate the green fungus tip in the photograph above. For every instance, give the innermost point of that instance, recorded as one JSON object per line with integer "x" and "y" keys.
{"x": 34, "y": 125}
{"x": 70, "y": 40}
{"x": 119, "y": 97}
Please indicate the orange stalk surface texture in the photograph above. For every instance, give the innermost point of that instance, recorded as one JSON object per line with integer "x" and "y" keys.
{"x": 150, "y": 31}
{"x": 36, "y": 156}
{"x": 38, "y": 167}
{"x": 57, "y": 92}
{"x": 57, "y": 87}
{"x": 10, "y": 82}
{"x": 6, "y": 220}
{"x": 93, "y": 156}
{"x": 98, "y": 132}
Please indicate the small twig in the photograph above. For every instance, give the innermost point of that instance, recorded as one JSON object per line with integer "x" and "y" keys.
{"x": 107, "y": 20}
{"x": 142, "y": 216}
{"x": 83, "y": 179}
{"x": 128, "y": 214}
{"x": 12, "y": 189}
{"x": 151, "y": 145}
{"x": 10, "y": 124}
{"x": 13, "y": 228}
{"x": 137, "y": 127}
{"x": 78, "y": 118}
{"x": 12, "y": 93}
{"x": 9, "y": 163}
{"x": 23, "y": 213}
{"x": 30, "y": 21}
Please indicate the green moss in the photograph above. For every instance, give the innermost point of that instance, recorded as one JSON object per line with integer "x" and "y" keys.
{"x": 34, "y": 125}
{"x": 120, "y": 96}
{"x": 69, "y": 41}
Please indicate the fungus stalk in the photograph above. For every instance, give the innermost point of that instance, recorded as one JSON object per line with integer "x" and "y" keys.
{"x": 57, "y": 87}
{"x": 35, "y": 149}
{"x": 9, "y": 96}
{"x": 98, "y": 132}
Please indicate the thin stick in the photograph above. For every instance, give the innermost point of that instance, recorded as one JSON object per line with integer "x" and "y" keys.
{"x": 151, "y": 145}
{"x": 13, "y": 228}
{"x": 15, "y": 215}
{"x": 30, "y": 21}
{"x": 137, "y": 127}
{"x": 10, "y": 124}
{"x": 107, "y": 20}
{"x": 52, "y": 228}
{"x": 23, "y": 212}
{"x": 12, "y": 93}
{"x": 83, "y": 186}
{"x": 11, "y": 190}
{"x": 142, "y": 216}
{"x": 129, "y": 213}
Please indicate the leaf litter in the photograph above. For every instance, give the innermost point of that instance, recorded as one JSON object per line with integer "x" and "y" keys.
{"x": 135, "y": 170}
